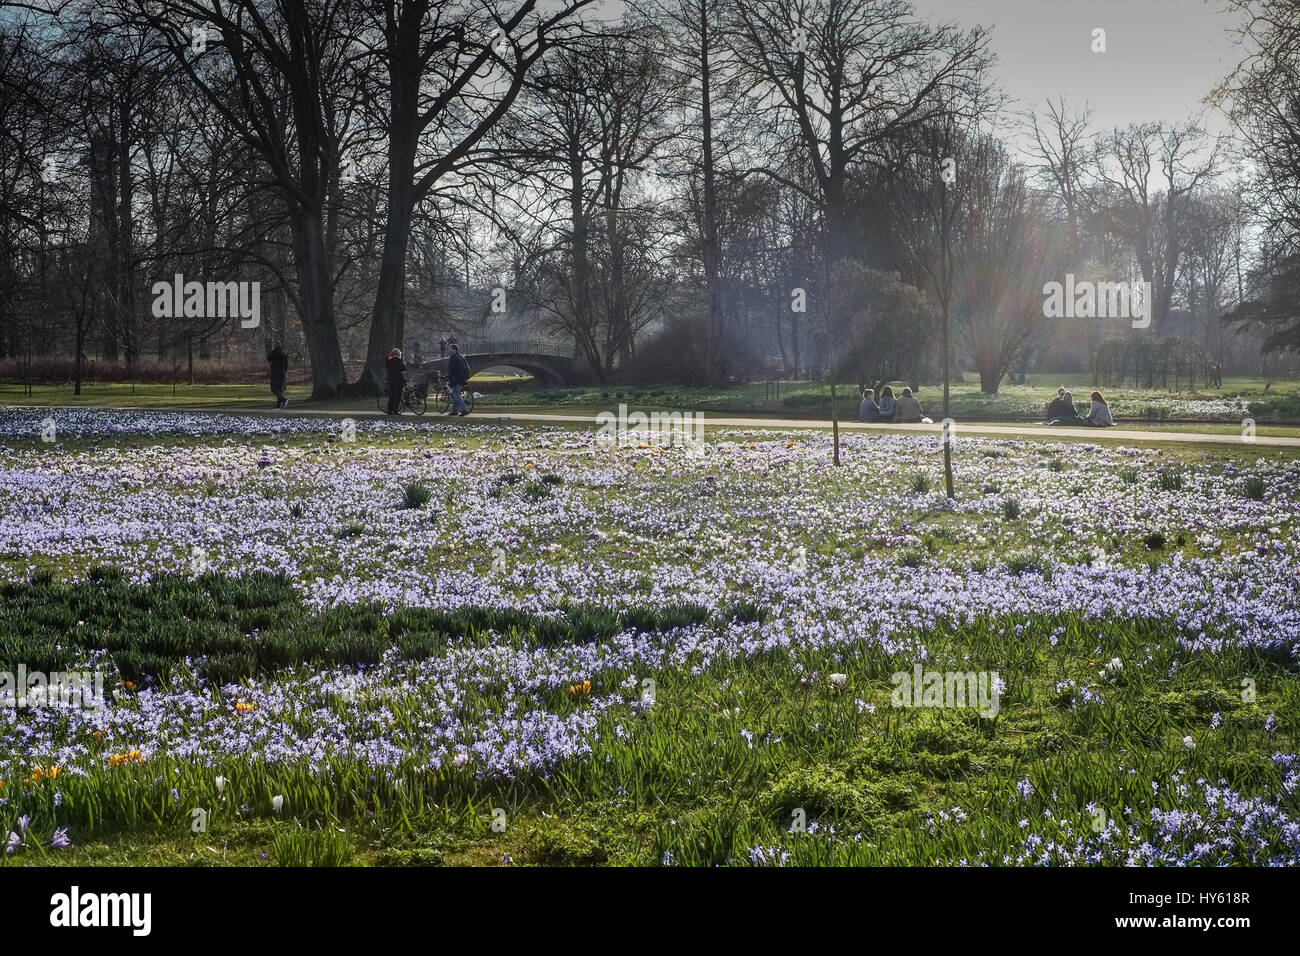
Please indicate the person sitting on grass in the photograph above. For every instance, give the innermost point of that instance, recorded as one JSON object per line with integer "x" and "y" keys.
{"x": 1099, "y": 414}
{"x": 909, "y": 409}
{"x": 888, "y": 404}
{"x": 1067, "y": 414}
{"x": 868, "y": 411}
{"x": 1056, "y": 407}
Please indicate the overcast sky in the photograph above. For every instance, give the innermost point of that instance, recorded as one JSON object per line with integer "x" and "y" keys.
{"x": 1163, "y": 56}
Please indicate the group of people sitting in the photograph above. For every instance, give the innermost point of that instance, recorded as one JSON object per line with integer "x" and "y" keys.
{"x": 1061, "y": 410}
{"x": 904, "y": 408}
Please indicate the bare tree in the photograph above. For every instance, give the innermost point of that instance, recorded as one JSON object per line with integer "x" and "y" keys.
{"x": 1149, "y": 170}
{"x": 844, "y": 77}
{"x": 1062, "y": 140}
{"x": 281, "y": 76}
{"x": 452, "y": 71}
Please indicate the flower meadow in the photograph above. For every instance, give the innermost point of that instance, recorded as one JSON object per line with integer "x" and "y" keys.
{"x": 486, "y": 641}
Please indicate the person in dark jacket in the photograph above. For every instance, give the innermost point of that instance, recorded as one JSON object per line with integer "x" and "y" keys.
{"x": 457, "y": 377}
{"x": 279, "y": 362}
{"x": 1056, "y": 407}
{"x": 1066, "y": 413}
{"x": 396, "y": 370}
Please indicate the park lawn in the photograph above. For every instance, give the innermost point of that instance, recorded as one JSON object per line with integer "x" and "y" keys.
{"x": 1012, "y": 403}
{"x": 118, "y": 395}
{"x": 647, "y": 676}
{"x": 724, "y": 763}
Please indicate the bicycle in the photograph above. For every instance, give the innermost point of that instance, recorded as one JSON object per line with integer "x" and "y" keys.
{"x": 442, "y": 398}
{"x": 414, "y": 399}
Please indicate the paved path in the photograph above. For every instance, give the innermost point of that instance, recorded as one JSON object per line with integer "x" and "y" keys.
{"x": 994, "y": 430}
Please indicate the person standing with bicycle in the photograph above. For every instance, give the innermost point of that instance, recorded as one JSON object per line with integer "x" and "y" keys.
{"x": 457, "y": 378}
{"x": 396, "y": 370}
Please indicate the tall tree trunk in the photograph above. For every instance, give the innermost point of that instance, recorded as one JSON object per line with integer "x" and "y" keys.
{"x": 388, "y": 325}
{"x": 715, "y": 367}
{"x": 125, "y": 247}
{"x": 318, "y": 322}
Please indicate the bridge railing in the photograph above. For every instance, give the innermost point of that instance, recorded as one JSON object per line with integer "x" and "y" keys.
{"x": 515, "y": 347}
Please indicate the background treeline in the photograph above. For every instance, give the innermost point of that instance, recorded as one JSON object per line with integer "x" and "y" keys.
{"x": 686, "y": 190}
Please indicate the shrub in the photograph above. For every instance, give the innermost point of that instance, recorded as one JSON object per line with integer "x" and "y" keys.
{"x": 1023, "y": 561}
{"x": 1128, "y": 475}
{"x": 537, "y": 490}
{"x": 1171, "y": 479}
{"x": 1154, "y": 540}
{"x": 746, "y": 612}
{"x": 299, "y": 847}
{"x": 920, "y": 483}
{"x": 1255, "y": 488}
{"x": 1011, "y": 508}
{"x": 817, "y": 791}
{"x": 416, "y": 495}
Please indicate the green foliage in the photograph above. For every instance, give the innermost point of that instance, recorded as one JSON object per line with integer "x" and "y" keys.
{"x": 303, "y": 847}
{"x": 416, "y": 495}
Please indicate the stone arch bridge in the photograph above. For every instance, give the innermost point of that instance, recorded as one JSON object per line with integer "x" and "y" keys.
{"x": 550, "y": 363}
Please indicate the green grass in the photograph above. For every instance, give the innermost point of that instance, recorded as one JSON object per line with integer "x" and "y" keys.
{"x": 794, "y": 399}
{"x": 723, "y": 760}
{"x": 148, "y": 630}
{"x": 728, "y": 758}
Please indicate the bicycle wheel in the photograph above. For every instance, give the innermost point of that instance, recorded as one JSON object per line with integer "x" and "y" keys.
{"x": 468, "y": 398}
{"x": 440, "y": 401}
{"x": 415, "y": 401}
{"x": 382, "y": 400}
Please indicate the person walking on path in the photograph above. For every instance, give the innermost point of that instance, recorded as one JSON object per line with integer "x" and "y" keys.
{"x": 457, "y": 377}
{"x": 396, "y": 370}
{"x": 279, "y": 362}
